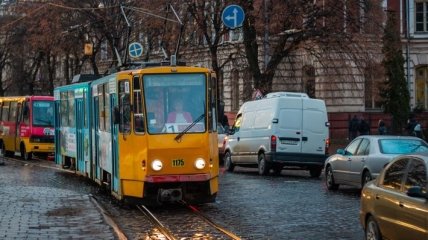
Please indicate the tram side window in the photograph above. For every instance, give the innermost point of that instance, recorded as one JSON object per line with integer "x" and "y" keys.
{"x": 85, "y": 117}
{"x": 212, "y": 121}
{"x": 64, "y": 109}
{"x": 107, "y": 114}
{"x": 124, "y": 107}
{"x": 101, "y": 113}
{"x": 71, "y": 110}
{"x": 5, "y": 111}
{"x": 138, "y": 107}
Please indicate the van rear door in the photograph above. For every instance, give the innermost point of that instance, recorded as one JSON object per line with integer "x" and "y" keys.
{"x": 315, "y": 126}
{"x": 289, "y": 130}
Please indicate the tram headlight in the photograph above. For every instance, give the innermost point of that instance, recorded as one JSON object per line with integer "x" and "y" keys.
{"x": 157, "y": 165}
{"x": 200, "y": 163}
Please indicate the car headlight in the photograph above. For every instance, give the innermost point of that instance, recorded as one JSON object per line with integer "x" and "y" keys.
{"x": 200, "y": 163}
{"x": 157, "y": 165}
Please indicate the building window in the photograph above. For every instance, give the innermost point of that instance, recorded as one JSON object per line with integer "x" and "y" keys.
{"x": 421, "y": 87}
{"x": 421, "y": 16}
{"x": 373, "y": 80}
{"x": 235, "y": 90}
{"x": 308, "y": 81}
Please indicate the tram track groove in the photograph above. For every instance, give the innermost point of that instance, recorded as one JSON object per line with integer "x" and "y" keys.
{"x": 193, "y": 211}
{"x": 164, "y": 230}
{"x": 209, "y": 221}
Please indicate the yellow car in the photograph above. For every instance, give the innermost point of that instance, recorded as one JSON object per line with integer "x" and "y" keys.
{"x": 395, "y": 205}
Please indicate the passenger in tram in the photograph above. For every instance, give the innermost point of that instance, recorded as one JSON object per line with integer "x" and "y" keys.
{"x": 178, "y": 115}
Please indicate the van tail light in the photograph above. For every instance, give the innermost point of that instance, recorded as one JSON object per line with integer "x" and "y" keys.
{"x": 327, "y": 145}
{"x": 273, "y": 143}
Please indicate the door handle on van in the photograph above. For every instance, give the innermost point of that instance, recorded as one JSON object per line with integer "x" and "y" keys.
{"x": 297, "y": 132}
{"x": 304, "y": 138}
{"x": 237, "y": 138}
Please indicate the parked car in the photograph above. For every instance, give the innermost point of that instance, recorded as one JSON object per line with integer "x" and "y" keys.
{"x": 394, "y": 206}
{"x": 222, "y": 138}
{"x": 365, "y": 157}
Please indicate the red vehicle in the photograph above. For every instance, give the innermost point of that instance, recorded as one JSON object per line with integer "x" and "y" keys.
{"x": 27, "y": 126}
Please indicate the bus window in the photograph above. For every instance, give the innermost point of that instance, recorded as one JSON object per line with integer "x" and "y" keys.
{"x": 26, "y": 113}
{"x": 138, "y": 107}
{"x": 5, "y": 110}
{"x": 13, "y": 111}
{"x": 43, "y": 113}
{"x": 107, "y": 114}
{"x": 124, "y": 107}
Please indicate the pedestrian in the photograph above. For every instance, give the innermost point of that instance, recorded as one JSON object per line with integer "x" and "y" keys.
{"x": 353, "y": 127}
{"x": 381, "y": 127}
{"x": 417, "y": 131}
{"x": 363, "y": 127}
{"x": 411, "y": 123}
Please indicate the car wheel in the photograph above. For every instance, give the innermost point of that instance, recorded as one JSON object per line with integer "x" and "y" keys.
{"x": 372, "y": 231}
{"x": 315, "y": 172}
{"x": 24, "y": 154}
{"x": 228, "y": 164}
{"x": 263, "y": 165}
{"x": 329, "y": 179}
{"x": 367, "y": 177}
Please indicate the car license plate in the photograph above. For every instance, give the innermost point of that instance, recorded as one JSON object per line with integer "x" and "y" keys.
{"x": 178, "y": 163}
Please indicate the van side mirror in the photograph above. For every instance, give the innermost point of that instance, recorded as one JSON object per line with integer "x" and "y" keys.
{"x": 116, "y": 115}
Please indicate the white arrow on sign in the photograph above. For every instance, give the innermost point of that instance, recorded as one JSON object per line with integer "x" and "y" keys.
{"x": 234, "y": 17}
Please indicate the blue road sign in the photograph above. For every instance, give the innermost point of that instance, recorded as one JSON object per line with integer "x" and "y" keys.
{"x": 135, "y": 50}
{"x": 233, "y": 16}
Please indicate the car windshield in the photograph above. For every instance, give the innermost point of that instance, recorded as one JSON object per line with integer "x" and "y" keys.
{"x": 402, "y": 146}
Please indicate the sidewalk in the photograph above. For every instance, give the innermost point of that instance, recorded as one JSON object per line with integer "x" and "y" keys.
{"x": 36, "y": 204}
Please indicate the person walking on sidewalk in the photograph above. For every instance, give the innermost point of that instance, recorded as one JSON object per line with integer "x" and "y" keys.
{"x": 353, "y": 128}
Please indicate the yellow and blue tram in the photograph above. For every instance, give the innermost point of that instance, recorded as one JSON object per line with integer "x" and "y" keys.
{"x": 148, "y": 134}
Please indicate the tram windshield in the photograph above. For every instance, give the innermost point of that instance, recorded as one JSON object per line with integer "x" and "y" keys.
{"x": 43, "y": 113}
{"x": 174, "y": 102}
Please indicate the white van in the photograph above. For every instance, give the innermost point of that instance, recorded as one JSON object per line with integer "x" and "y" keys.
{"x": 284, "y": 129}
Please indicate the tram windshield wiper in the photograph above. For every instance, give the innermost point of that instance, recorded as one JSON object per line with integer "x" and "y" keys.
{"x": 177, "y": 138}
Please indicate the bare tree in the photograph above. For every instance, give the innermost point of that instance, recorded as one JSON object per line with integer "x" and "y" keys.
{"x": 326, "y": 30}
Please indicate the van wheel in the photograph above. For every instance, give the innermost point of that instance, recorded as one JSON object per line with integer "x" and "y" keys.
{"x": 24, "y": 154}
{"x": 315, "y": 172}
{"x": 263, "y": 165}
{"x": 228, "y": 164}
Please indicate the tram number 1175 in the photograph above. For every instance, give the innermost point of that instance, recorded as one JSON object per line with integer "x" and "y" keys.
{"x": 178, "y": 163}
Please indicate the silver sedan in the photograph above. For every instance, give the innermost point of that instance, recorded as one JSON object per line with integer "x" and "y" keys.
{"x": 364, "y": 157}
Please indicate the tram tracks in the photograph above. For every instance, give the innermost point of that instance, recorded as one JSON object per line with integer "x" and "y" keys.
{"x": 195, "y": 224}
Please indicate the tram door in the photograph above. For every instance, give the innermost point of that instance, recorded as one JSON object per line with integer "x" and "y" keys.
{"x": 114, "y": 142}
{"x": 95, "y": 146}
{"x": 57, "y": 132}
{"x": 80, "y": 138}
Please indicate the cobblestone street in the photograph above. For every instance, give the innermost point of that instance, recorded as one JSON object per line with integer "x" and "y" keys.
{"x": 34, "y": 205}
{"x": 47, "y": 203}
